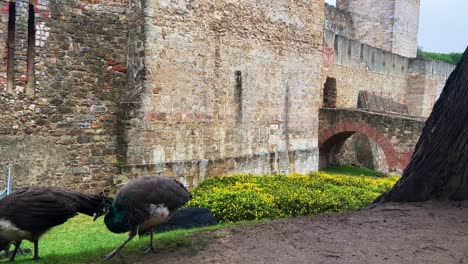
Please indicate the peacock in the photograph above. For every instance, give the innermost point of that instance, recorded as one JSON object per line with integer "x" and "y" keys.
{"x": 141, "y": 204}
{"x": 29, "y": 212}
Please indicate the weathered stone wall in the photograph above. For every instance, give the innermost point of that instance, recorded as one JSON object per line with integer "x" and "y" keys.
{"x": 391, "y": 25}
{"x": 406, "y": 27}
{"x": 360, "y": 67}
{"x": 62, "y": 132}
{"x": 361, "y": 43}
{"x": 366, "y": 28}
{"x": 339, "y": 21}
{"x": 212, "y": 87}
{"x": 426, "y": 79}
{"x": 3, "y": 43}
{"x": 228, "y": 87}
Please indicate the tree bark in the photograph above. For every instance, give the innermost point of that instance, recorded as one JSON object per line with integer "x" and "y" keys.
{"x": 439, "y": 166}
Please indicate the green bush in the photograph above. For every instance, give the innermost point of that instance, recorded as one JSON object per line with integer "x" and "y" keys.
{"x": 254, "y": 197}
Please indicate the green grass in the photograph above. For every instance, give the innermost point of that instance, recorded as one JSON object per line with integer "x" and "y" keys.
{"x": 80, "y": 240}
{"x": 352, "y": 171}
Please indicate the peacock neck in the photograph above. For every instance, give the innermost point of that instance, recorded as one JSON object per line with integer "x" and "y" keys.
{"x": 116, "y": 220}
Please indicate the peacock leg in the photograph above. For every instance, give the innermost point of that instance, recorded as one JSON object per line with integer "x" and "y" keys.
{"x": 24, "y": 251}
{"x": 36, "y": 250}
{"x": 7, "y": 251}
{"x": 151, "y": 245}
{"x": 13, "y": 255}
{"x": 116, "y": 251}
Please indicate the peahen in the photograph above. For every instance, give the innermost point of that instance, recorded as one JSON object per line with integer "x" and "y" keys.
{"x": 141, "y": 204}
{"x": 29, "y": 212}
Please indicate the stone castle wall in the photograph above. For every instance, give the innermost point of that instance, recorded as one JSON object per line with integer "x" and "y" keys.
{"x": 406, "y": 27}
{"x": 227, "y": 87}
{"x": 366, "y": 26}
{"x": 59, "y": 128}
{"x": 186, "y": 89}
{"x": 391, "y": 25}
{"x": 361, "y": 63}
{"x": 360, "y": 67}
{"x": 426, "y": 79}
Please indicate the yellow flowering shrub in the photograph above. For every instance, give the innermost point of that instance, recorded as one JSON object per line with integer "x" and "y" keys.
{"x": 253, "y": 197}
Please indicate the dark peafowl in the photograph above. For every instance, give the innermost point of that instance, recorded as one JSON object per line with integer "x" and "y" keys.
{"x": 141, "y": 204}
{"x": 5, "y": 249}
{"x": 29, "y": 212}
{"x": 188, "y": 217}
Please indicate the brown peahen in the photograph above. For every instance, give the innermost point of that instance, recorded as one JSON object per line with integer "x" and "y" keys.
{"x": 29, "y": 212}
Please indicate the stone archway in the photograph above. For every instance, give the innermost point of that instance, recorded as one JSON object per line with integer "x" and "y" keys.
{"x": 332, "y": 140}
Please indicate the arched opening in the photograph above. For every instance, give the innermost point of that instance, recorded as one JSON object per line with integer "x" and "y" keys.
{"x": 361, "y": 151}
{"x": 329, "y": 149}
{"x": 351, "y": 148}
{"x": 329, "y": 93}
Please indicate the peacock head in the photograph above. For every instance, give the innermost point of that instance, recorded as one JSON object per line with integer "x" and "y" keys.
{"x": 116, "y": 220}
{"x": 103, "y": 209}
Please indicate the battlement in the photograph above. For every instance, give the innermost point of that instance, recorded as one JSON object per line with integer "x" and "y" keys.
{"x": 352, "y": 53}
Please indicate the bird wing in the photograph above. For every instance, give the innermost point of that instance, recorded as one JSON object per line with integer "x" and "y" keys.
{"x": 137, "y": 196}
{"x": 37, "y": 209}
{"x": 171, "y": 192}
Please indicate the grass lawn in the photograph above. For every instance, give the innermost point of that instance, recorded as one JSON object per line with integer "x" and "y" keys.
{"x": 80, "y": 240}
{"x": 352, "y": 171}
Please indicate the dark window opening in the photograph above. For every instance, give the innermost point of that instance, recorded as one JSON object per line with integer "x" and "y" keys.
{"x": 349, "y": 48}
{"x": 11, "y": 46}
{"x": 335, "y": 45}
{"x": 31, "y": 53}
{"x": 329, "y": 93}
{"x": 361, "y": 54}
{"x": 384, "y": 63}
{"x": 238, "y": 95}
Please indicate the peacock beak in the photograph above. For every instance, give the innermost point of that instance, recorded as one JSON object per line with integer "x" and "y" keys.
{"x": 96, "y": 216}
{"x": 102, "y": 212}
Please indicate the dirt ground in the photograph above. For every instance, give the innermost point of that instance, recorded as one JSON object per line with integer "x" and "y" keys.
{"x": 392, "y": 233}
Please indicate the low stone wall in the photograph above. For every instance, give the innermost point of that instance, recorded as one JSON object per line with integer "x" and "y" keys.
{"x": 374, "y": 103}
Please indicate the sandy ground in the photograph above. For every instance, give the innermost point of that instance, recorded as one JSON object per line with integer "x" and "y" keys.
{"x": 392, "y": 233}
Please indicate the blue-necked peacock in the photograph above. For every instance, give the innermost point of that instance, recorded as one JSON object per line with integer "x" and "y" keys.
{"x": 141, "y": 204}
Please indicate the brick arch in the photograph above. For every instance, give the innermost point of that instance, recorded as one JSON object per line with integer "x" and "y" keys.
{"x": 337, "y": 134}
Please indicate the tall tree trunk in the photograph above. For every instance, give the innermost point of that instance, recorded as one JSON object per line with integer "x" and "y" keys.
{"x": 439, "y": 166}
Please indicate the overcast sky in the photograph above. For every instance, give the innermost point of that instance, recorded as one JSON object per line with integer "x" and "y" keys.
{"x": 443, "y": 25}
